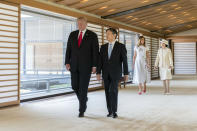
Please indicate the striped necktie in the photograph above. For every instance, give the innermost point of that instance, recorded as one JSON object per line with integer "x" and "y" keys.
{"x": 109, "y": 50}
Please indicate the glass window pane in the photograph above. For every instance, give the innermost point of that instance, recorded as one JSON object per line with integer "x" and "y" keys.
{"x": 44, "y": 41}
{"x": 129, "y": 39}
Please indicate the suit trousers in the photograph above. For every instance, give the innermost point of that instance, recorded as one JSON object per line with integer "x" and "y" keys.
{"x": 111, "y": 93}
{"x": 80, "y": 82}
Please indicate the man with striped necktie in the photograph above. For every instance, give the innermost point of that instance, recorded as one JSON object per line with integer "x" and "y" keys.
{"x": 112, "y": 56}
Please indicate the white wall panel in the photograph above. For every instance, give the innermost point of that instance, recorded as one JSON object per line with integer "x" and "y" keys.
{"x": 9, "y": 50}
{"x": 9, "y": 56}
{"x": 9, "y": 53}
{"x": 8, "y": 88}
{"x": 9, "y": 33}
{"x": 8, "y": 39}
{"x": 11, "y": 77}
{"x": 185, "y": 58}
{"x": 8, "y": 94}
{"x": 8, "y": 17}
{"x": 2, "y": 72}
{"x": 4, "y": 22}
{"x": 10, "y": 7}
{"x": 2, "y": 27}
{"x": 6, "y": 83}
{"x": 8, "y": 12}
{"x": 4, "y": 44}
{"x": 8, "y": 67}
{"x": 8, "y": 60}
{"x": 154, "y": 50}
{"x": 10, "y": 99}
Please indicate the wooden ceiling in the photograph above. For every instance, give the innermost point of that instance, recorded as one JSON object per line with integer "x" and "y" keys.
{"x": 170, "y": 18}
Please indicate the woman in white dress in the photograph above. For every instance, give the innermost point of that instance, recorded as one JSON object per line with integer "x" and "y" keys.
{"x": 165, "y": 63}
{"x": 141, "y": 63}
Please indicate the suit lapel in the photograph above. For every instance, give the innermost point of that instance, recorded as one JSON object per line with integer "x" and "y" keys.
{"x": 76, "y": 38}
{"x": 107, "y": 46}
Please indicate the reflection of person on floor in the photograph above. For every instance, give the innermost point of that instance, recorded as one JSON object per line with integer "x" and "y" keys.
{"x": 165, "y": 63}
{"x": 113, "y": 56}
{"x": 141, "y": 63}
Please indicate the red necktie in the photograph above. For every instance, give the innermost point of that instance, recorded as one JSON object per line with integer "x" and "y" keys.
{"x": 80, "y": 39}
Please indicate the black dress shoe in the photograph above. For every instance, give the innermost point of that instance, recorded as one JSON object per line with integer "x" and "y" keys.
{"x": 109, "y": 115}
{"x": 115, "y": 115}
{"x": 81, "y": 114}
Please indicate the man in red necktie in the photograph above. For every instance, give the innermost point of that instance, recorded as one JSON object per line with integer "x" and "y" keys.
{"x": 81, "y": 60}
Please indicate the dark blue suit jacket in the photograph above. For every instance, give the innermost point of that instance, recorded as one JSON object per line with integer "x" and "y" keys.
{"x": 113, "y": 67}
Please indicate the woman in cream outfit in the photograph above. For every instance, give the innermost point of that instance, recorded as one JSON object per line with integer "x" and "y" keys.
{"x": 165, "y": 63}
{"x": 141, "y": 63}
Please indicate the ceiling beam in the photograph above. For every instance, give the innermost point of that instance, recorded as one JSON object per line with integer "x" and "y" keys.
{"x": 138, "y": 9}
{"x": 174, "y": 26}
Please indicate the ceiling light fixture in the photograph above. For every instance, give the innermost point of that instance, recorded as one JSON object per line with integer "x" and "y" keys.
{"x": 129, "y": 17}
{"x": 145, "y": 1}
{"x": 163, "y": 11}
{"x": 104, "y": 7}
{"x": 83, "y": 1}
{"x": 111, "y": 10}
{"x": 174, "y": 5}
{"x": 178, "y": 8}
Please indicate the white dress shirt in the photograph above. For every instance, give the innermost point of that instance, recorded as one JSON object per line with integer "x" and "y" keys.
{"x": 83, "y": 33}
{"x": 113, "y": 43}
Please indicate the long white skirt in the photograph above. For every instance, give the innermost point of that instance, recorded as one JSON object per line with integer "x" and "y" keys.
{"x": 141, "y": 73}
